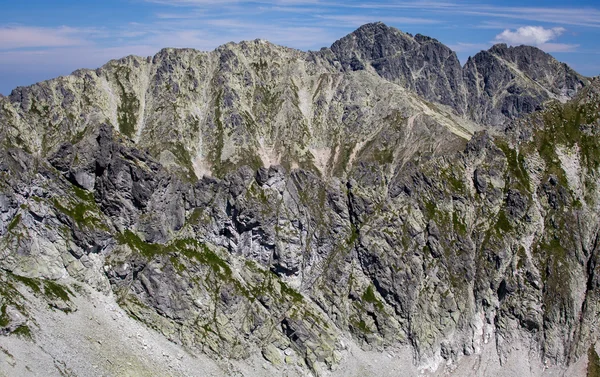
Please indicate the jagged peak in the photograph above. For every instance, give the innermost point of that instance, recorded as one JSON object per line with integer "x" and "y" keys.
{"x": 371, "y": 30}
{"x": 527, "y": 52}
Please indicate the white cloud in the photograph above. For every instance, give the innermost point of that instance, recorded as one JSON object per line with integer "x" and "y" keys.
{"x": 27, "y": 37}
{"x": 529, "y": 35}
{"x": 536, "y": 36}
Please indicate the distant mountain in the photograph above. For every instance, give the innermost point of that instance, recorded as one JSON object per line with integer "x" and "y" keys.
{"x": 372, "y": 207}
{"x": 494, "y": 85}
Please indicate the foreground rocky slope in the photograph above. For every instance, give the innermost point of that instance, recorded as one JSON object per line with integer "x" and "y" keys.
{"x": 308, "y": 208}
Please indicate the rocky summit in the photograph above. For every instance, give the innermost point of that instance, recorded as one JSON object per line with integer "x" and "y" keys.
{"x": 370, "y": 209}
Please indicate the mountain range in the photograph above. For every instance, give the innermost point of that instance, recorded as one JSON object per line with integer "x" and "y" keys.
{"x": 371, "y": 208}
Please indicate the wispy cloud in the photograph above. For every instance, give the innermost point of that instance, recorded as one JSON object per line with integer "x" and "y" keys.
{"x": 588, "y": 17}
{"x": 496, "y": 25}
{"x": 27, "y": 37}
{"x": 580, "y": 16}
{"x": 358, "y": 20}
{"x": 469, "y": 47}
{"x": 558, "y": 47}
{"x": 201, "y": 3}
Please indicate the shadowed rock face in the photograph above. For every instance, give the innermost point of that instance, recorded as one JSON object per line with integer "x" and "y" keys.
{"x": 258, "y": 200}
{"x": 419, "y": 63}
{"x": 493, "y": 86}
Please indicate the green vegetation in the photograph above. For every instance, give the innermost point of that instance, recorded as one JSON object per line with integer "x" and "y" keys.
{"x": 502, "y": 224}
{"x": 127, "y": 114}
{"x": 184, "y": 158}
{"x": 361, "y": 326}
{"x": 84, "y": 194}
{"x": 196, "y": 216}
{"x": 214, "y": 154}
{"x": 459, "y": 226}
{"x": 14, "y": 222}
{"x": 51, "y": 289}
{"x": 33, "y": 284}
{"x": 190, "y": 248}
{"x": 271, "y": 101}
{"x": 369, "y": 295}
{"x": 260, "y": 66}
{"x": 383, "y": 155}
{"x": 148, "y": 250}
{"x": 593, "y": 367}
{"x": 430, "y": 209}
{"x": 516, "y": 171}
{"x": 23, "y": 331}
{"x": 290, "y": 292}
{"x": 4, "y": 320}
{"x": 565, "y": 126}
{"x": 343, "y": 159}
{"x": 56, "y": 291}
{"x": 555, "y": 250}
{"x": 85, "y": 214}
{"x": 129, "y": 107}
{"x": 456, "y": 184}
{"x": 257, "y": 194}
{"x": 81, "y": 208}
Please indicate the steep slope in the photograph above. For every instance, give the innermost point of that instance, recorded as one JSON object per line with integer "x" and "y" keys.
{"x": 252, "y": 103}
{"x": 402, "y": 233}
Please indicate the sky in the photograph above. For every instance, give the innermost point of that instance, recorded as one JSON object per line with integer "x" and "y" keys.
{"x": 42, "y": 39}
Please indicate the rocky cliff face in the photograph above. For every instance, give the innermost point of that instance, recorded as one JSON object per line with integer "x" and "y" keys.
{"x": 495, "y": 85}
{"x": 309, "y": 208}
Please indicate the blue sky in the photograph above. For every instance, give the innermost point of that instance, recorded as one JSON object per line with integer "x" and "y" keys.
{"x": 41, "y": 39}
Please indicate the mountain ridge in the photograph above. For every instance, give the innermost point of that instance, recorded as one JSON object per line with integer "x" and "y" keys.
{"x": 123, "y": 88}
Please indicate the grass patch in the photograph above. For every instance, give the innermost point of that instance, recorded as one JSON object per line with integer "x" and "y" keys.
{"x": 128, "y": 108}
{"x": 13, "y": 224}
{"x": 56, "y": 291}
{"x": 459, "y": 226}
{"x": 516, "y": 165}
{"x": 290, "y": 292}
{"x": 84, "y": 194}
{"x": 502, "y": 224}
{"x": 82, "y": 213}
{"x": 369, "y": 295}
{"x": 148, "y": 250}
{"x": 216, "y": 151}
{"x": 593, "y": 367}
{"x": 4, "y": 320}
{"x": 564, "y": 126}
{"x": 81, "y": 208}
{"x": 33, "y": 284}
{"x": 361, "y": 326}
{"x": 23, "y": 331}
